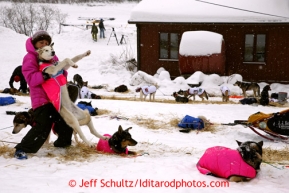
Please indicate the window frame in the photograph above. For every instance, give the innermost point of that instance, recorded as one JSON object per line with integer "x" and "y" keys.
{"x": 169, "y": 46}
{"x": 255, "y": 53}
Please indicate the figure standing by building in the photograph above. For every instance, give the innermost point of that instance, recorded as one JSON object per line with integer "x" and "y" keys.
{"x": 101, "y": 28}
{"x": 16, "y": 77}
{"x": 94, "y": 31}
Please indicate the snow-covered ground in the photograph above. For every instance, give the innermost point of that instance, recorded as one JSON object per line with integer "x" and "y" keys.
{"x": 170, "y": 156}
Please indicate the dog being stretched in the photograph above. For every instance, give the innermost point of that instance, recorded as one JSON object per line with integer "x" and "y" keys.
{"x": 245, "y": 86}
{"x": 179, "y": 98}
{"x": 147, "y": 90}
{"x": 192, "y": 92}
{"x": 55, "y": 86}
{"x": 117, "y": 143}
{"x": 238, "y": 165}
{"x": 225, "y": 93}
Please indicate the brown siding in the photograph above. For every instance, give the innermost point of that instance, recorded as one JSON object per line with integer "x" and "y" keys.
{"x": 277, "y": 45}
{"x": 212, "y": 64}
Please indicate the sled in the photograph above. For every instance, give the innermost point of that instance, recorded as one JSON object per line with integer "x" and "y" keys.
{"x": 274, "y": 124}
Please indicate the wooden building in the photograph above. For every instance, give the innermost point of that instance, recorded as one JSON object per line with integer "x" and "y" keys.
{"x": 256, "y": 35}
{"x": 202, "y": 51}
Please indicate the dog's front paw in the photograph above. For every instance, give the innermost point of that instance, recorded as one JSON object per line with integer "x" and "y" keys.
{"x": 87, "y": 53}
{"x": 74, "y": 66}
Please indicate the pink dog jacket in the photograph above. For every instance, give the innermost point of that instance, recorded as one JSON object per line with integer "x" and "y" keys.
{"x": 52, "y": 86}
{"x": 103, "y": 146}
{"x": 224, "y": 162}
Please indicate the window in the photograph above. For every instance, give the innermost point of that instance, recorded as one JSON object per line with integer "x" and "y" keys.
{"x": 169, "y": 45}
{"x": 255, "y": 47}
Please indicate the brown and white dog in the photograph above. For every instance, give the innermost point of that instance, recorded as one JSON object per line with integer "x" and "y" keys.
{"x": 72, "y": 114}
{"x": 147, "y": 90}
{"x": 192, "y": 92}
{"x": 225, "y": 93}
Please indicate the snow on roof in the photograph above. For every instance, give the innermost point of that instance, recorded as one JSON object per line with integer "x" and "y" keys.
{"x": 200, "y": 43}
{"x": 217, "y": 11}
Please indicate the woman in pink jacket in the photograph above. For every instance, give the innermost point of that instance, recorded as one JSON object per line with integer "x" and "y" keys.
{"x": 45, "y": 115}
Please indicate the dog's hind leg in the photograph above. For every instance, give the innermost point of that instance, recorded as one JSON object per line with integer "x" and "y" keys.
{"x": 75, "y": 137}
{"x": 154, "y": 96}
{"x": 244, "y": 94}
{"x": 202, "y": 96}
{"x": 72, "y": 121}
{"x": 94, "y": 132}
{"x": 254, "y": 93}
{"x": 85, "y": 120}
{"x": 206, "y": 95}
{"x": 141, "y": 95}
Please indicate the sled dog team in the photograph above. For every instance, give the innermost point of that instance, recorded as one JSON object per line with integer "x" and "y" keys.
{"x": 51, "y": 76}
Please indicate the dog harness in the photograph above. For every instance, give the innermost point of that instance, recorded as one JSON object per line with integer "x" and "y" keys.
{"x": 53, "y": 85}
{"x": 148, "y": 89}
{"x": 103, "y": 146}
{"x": 196, "y": 90}
{"x": 224, "y": 162}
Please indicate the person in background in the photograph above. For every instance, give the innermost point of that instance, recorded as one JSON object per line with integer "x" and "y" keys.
{"x": 16, "y": 77}
{"x": 45, "y": 114}
{"x": 94, "y": 31}
{"x": 101, "y": 28}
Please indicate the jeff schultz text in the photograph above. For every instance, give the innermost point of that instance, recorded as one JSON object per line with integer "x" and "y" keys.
{"x": 149, "y": 183}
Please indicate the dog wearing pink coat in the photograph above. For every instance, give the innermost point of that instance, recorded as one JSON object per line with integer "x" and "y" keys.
{"x": 117, "y": 143}
{"x": 236, "y": 165}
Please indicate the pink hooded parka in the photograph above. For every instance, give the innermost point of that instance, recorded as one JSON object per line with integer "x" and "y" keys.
{"x": 33, "y": 76}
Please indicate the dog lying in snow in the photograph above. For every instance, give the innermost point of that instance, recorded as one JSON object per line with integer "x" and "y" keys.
{"x": 180, "y": 98}
{"x": 236, "y": 165}
{"x": 117, "y": 143}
